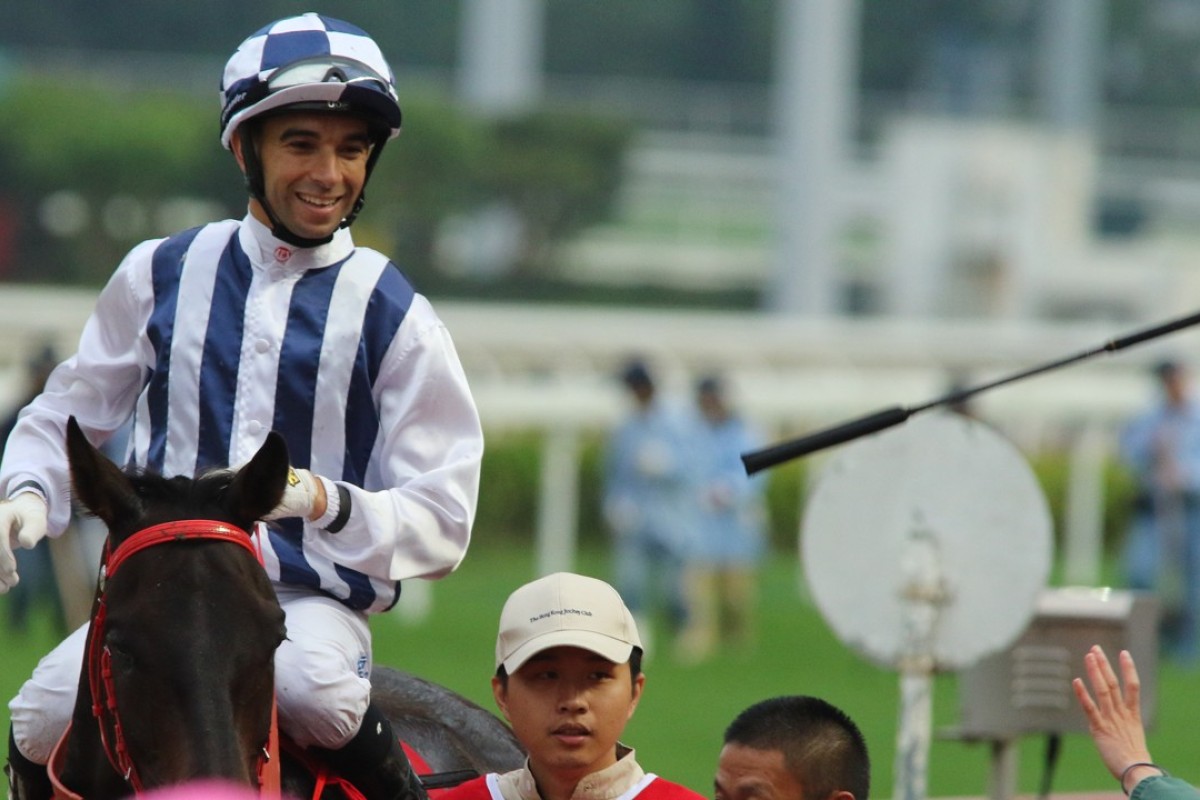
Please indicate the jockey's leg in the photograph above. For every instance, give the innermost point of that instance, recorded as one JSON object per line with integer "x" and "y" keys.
{"x": 375, "y": 762}
{"x": 323, "y": 689}
{"x": 322, "y": 670}
{"x": 43, "y": 707}
{"x": 26, "y": 780}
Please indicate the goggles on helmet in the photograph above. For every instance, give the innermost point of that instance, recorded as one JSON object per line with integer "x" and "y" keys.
{"x": 330, "y": 81}
{"x": 326, "y": 69}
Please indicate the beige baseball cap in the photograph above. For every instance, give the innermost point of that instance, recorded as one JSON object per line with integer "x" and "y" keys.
{"x": 565, "y": 610}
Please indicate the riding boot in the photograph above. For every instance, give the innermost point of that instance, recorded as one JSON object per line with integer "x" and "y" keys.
{"x": 26, "y": 779}
{"x": 375, "y": 762}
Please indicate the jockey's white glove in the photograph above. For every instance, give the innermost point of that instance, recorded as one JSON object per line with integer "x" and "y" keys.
{"x": 22, "y": 524}
{"x": 304, "y": 496}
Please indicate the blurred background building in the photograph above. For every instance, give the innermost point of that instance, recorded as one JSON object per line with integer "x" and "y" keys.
{"x": 1003, "y": 159}
{"x": 839, "y": 204}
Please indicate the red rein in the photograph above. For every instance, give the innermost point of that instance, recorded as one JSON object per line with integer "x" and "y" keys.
{"x": 104, "y": 703}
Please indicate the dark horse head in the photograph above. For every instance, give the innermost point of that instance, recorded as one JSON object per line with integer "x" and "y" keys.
{"x": 178, "y": 681}
{"x": 184, "y": 633}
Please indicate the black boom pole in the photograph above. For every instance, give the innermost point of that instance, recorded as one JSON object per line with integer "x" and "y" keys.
{"x": 881, "y": 420}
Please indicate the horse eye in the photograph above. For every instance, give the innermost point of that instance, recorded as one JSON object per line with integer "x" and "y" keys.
{"x": 121, "y": 658}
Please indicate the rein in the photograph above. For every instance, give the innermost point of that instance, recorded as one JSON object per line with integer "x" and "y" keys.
{"x": 99, "y": 659}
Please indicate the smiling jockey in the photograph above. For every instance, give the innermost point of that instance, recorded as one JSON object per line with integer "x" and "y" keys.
{"x": 212, "y": 337}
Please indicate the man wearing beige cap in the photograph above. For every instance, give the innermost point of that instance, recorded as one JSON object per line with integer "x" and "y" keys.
{"x": 568, "y": 679}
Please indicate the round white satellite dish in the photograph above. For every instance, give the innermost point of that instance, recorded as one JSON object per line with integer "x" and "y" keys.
{"x": 942, "y": 499}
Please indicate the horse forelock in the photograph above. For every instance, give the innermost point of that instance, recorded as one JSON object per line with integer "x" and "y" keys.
{"x": 178, "y": 497}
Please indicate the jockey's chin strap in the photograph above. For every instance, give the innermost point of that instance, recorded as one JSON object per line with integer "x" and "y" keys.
{"x": 99, "y": 659}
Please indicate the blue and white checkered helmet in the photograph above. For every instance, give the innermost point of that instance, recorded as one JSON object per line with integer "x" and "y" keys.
{"x": 310, "y": 61}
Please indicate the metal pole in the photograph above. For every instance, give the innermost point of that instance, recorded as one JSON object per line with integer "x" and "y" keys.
{"x": 559, "y": 502}
{"x": 924, "y": 594}
{"x": 1084, "y": 517}
{"x": 815, "y": 90}
{"x": 500, "y": 69}
{"x": 1002, "y": 780}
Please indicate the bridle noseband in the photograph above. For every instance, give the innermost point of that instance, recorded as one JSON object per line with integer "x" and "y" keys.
{"x": 99, "y": 659}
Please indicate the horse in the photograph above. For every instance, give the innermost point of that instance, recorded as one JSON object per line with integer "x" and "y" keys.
{"x": 177, "y": 682}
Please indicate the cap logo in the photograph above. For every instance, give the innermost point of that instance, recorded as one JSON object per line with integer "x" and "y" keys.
{"x": 560, "y": 612}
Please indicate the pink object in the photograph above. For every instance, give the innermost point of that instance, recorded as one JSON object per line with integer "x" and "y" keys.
{"x": 203, "y": 790}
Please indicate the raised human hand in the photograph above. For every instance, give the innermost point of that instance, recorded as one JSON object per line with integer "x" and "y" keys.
{"x": 1115, "y": 717}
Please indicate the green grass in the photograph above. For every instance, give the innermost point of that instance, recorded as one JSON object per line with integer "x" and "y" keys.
{"x": 677, "y": 728}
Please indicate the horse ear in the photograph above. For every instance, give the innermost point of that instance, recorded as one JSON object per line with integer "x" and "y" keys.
{"x": 259, "y": 484}
{"x": 98, "y": 483}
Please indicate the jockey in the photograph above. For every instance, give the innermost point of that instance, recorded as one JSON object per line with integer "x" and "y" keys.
{"x": 211, "y": 338}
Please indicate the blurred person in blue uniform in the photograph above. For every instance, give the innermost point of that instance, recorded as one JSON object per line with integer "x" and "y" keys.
{"x": 730, "y": 536}
{"x": 647, "y": 502}
{"x": 1161, "y": 446}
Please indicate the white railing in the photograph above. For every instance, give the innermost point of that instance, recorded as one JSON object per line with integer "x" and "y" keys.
{"x": 551, "y": 369}
{"x": 532, "y": 364}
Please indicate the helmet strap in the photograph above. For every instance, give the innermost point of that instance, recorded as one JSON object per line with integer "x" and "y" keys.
{"x": 376, "y": 149}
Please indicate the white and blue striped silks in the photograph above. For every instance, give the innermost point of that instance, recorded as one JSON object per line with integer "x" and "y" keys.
{"x": 221, "y": 333}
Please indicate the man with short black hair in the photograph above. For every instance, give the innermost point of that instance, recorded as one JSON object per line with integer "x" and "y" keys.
{"x": 793, "y": 748}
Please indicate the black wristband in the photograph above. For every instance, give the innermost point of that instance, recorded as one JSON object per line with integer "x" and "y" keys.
{"x": 1125, "y": 772}
{"x": 37, "y": 487}
{"x": 343, "y": 515}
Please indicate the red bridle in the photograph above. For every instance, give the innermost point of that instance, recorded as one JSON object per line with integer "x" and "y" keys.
{"x": 99, "y": 659}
